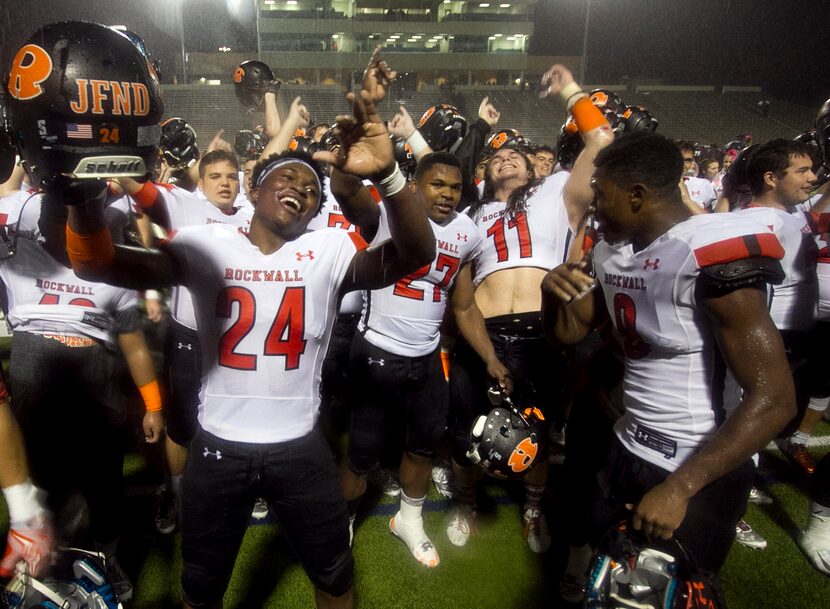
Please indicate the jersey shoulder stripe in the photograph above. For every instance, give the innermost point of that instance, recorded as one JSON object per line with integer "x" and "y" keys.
{"x": 738, "y": 248}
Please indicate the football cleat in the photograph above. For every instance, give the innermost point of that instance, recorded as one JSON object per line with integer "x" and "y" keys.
{"x": 536, "y": 532}
{"x": 815, "y": 542}
{"x": 746, "y": 536}
{"x": 415, "y": 538}
{"x": 461, "y": 525}
{"x": 798, "y": 455}
{"x": 260, "y": 510}
{"x": 759, "y": 497}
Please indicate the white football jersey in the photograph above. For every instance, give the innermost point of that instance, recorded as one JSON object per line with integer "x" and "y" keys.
{"x": 701, "y": 191}
{"x": 405, "y": 318}
{"x": 794, "y": 301}
{"x": 184, "y": 208}
{"x": 820, "y": 224}
{"x": 672, "y": 384}
{"x": 42, "y": 295}
{"x": 538, "y": 236}
{"x": 264, "y": 326}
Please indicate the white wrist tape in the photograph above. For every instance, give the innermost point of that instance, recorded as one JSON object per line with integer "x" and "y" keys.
{"x": 24, "y": 501}
{"x": 417, "y": 142}
{"x": 392, "y": 184}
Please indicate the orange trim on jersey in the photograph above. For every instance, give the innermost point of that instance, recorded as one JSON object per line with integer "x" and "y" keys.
{"x": 71, "y": 341}
{"x": 146, "y": 195}
{"x": 587, "y": 116}
{"x": 359, "y": 242}
{"x": 446, "y": 364}
{"x": 151, "y": 394}
{"x": 93, "y": 252}
{"x": 738, "y": 248}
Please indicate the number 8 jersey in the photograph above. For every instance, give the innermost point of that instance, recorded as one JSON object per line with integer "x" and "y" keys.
{"x": 673, "y": 382}
{"x": 264, "y": 326}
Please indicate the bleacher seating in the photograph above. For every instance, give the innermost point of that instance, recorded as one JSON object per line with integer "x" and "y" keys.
{"x": 699, "y": 116}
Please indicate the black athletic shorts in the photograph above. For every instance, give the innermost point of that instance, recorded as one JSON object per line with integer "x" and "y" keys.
{"x": 298, "y": 478}
{"x": 538, "y": 369}
{"x": 183, "y": 368}
{"x": 708, "y": 529}
{"x": 415, "y": 386}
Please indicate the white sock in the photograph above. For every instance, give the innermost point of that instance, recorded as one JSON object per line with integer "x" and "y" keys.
{"x": 411, "y": 509}
{"x": 819, "y": 404}
{"x": 800, "y": 437}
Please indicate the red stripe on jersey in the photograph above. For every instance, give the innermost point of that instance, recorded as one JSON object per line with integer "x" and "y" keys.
{"x": 738, "y": 248}
{"x": 4, "y": 393}
{"x": 146, "y": 195}
{"x": 4, "y": 218}
{"x": 165, "y": 185}
{"x": 169, "y": 237}
{"x": 359, "y": 242}
{"x": 820, "y": 222}
{"x": 375, "y": 194}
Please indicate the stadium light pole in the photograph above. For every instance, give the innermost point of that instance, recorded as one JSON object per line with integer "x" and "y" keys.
{"x": 258, "y": 39}
{"x": 181, "y": 41}
{"x": 584, "y": 59}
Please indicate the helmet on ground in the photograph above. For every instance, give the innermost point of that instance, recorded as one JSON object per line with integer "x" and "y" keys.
{"x": 178, "y": 143}
{"x": 251, "y": 80}
{"x": 506, "y": 442}
{"x": 82, "y": 102}
{"x": 443, "y": 127}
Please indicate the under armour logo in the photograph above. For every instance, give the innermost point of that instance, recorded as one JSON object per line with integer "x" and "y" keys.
{"x": 694, "y": 193}
{"x": 649, "y": 264}
{"x": 187, "y": 346}
{"x": 217, "y": 454}
{"x": 461, "y": 236}
{"x": 379, "y": 362}
{"x": 309, "y": 255}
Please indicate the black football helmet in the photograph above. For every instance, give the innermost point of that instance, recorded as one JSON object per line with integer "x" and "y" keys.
{"x": 83, "y": 102}
{"x": 249, "y": 144}
{"x": 735, "y": 181}
{"x": 302, "y": 143}
{"x": 178, "y": 143}
{"x": 251, "y": 80}
{"x": 506, "y": 442}
{"x": 404, "y": 156}
{"x": 507, "y": 138}
{"x": 823, "y": 133}
{"x": 603, "y": 98}
{"x": 8, "y": 153}
{"x": 637, "y": 118}
{"x": 570, "y": 142}
{"x": 138, "y": 41}
{"x": 443, "y": 127}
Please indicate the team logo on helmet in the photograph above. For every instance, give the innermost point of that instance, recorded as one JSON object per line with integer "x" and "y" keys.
{"x": 430, "y": 111}
{"x": 239, "y": 74}
{"x": 523, "y": 455}
{"x": 31, "y": 66}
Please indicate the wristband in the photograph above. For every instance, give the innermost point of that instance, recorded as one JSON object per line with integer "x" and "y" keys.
{"x": 569, "y": 90}
{"x": 146, "y": 195}
{"x": 417, "y": 142}
{"x": 151, "y": 394}
{"x": 24, "y": 501}
{"x": 152, "y": 295}
{"x": 92, "y": 252}
{"x": 446, "y": 363}
{"x": 587, "y": 116}
{"x": 392, "y": 184}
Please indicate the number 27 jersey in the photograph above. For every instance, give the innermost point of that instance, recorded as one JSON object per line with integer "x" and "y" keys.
{"x": 264, "y": 326}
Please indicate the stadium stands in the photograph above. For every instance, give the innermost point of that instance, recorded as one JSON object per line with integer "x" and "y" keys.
{"x": 702, "y": 116}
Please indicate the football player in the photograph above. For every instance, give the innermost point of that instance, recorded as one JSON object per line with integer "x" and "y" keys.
{"x": 525, "y": 226}
{"x": 681, "y": 290}
{"x": 700, "y": 189}
{"x": 265, "y": 301}
{"x": 396, "y": 351}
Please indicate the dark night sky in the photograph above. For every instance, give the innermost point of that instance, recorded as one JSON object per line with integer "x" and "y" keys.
{"x": 781, "y": 45}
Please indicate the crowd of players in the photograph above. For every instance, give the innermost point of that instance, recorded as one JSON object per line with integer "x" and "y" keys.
{"x": 446, "y": 293}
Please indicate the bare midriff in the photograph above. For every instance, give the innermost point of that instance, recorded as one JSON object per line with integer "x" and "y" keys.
{"x": 516, "y": 290}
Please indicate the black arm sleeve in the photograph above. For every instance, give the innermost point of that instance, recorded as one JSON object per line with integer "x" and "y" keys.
{"x": 719, "y": 279}
{"x": 127, "y": 320}
{"x": 468, "y": 153}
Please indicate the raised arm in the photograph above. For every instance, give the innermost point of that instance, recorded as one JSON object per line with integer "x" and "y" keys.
{"x": 402, "y": 126}
{"x": 366, "y": 151}
{"x": 742, "y": 326}
{"x": 595, "y": 131}
{"x": 273, "y": 123}
{"x": 356, "y": 202}
{"x": 296, "y": 119}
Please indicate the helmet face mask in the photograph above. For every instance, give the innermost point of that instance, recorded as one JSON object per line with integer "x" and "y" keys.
{"x": 823, "y": 133}
{"x": 83, "y": 102}
{"x": 178, "y": 143}
{"x": 250, "y": 82}
{"x": 249, "y": 144}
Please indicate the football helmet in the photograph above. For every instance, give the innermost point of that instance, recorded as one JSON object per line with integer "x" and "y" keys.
{"x": 627, "y": 574}
{"x": 178, "y": 143}
{"x": 507, "y": 138}
{"x": 506, "y": 442}
{"x": 251, "y": 80}
{"x": 823, "y": 133}
{"x": 302, "y": 143}
{"x": 443, "y": 127}
{"x": 249, "y": 144}
{"x": 8, "y": 153}
{"x": 603, "y": 98}
{"x": 404, "y": 156}
{"x": 735, "y": 181}
{"x": 83, "y": 102}
{"x": 570, "y": 142}
{"x": 637, "y": 118}
{"x": 138, "y": 41}
{"x": 80, "y": 582}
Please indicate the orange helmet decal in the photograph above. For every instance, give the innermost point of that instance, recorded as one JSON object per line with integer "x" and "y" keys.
{"x": 31, "y": 66}
{"x": 523, "y": 455}
{"x": 239, "y": 74}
